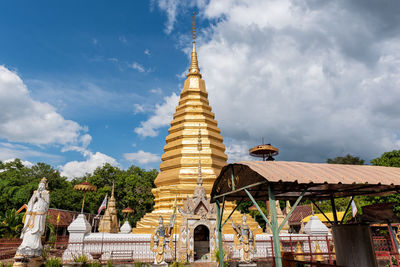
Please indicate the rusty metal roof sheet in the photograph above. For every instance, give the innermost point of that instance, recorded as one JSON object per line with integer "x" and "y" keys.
{"x": 321, "y": 180}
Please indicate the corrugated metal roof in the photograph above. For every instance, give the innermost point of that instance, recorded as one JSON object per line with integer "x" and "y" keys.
{"x": 299, "y": 213}
{"x": 320, "y": 179}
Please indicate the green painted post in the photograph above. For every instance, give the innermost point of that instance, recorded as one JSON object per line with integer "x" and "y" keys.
{"x": 220, "y": 249}
{"x": 258, "y": 208}
{"x": 275, "y": 227}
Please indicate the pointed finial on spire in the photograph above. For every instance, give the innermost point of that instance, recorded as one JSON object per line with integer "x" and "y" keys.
{"x": 194, "y": 65}
{"x": 112, "y": 191}
{"x": 193, "y": 28}
{"x": 199, "y": 148}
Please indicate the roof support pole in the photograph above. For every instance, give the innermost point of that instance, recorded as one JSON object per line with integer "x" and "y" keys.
{"x": 274, "y": 224}
{"x": 237, "y": 205}
{"x": 347, "y": 209}
{"x": 291, "y": 211}
{"x": 220, "y": 249}
{"x": 335, "y": 220}
{"x": 323, "y": 213}
{"x": 233, "y": 178}
{"x": 258, "y": 208}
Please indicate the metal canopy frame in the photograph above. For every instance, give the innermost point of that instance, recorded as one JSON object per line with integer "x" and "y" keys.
{"x": 262, "y": 188}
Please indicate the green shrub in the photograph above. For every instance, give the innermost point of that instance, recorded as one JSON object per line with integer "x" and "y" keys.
{"x": 82, "y": 259}
{"x": 53, "y": 262}
{"x": 109, "y": 263}
{"x": 95, "y": 264}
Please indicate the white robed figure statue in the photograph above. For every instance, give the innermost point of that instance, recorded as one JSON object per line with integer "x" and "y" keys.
{"x": 35, "y": 223}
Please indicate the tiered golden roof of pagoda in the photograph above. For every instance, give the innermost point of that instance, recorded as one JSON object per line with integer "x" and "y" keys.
{"x": 179, "y": 169}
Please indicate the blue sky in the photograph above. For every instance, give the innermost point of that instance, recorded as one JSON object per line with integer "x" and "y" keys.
{"x": 316, "y": 80}
{"x": 80, "y": 57}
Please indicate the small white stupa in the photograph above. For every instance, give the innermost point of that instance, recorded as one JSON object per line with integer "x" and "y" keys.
{"x": 126, "y": 228}
{"x": 315, "y": 227}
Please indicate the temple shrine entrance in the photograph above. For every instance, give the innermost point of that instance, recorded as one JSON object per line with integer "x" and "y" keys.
{"x": 201, "y": 241}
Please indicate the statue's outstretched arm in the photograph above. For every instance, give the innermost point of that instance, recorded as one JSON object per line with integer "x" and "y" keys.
{"x": 172, "y": 220}
{"x": 233, "y": 224}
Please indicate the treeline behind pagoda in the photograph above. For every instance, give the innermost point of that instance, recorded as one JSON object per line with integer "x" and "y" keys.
{"x": 132, "y": 188}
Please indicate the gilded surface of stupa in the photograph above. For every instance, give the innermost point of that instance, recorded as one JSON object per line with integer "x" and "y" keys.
{"x": 179, "y": 167}
{"x": 109, "y": 221}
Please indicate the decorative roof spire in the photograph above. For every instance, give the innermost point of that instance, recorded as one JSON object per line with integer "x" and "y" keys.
{"x": 199, "y": 148}
{"x": 112, "y": 191}
{"x": 194, "y": 66}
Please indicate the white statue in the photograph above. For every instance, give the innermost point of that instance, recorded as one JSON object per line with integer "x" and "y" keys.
{"x": 160, "y": 238}
{"x": 35, "y": 223}
{"x": 244, "y": 239}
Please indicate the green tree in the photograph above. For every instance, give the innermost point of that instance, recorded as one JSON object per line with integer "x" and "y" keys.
{"x": 11, "y": 224}
{"x": 132, "y": 188}
{"x": 348, "y": 159}
{"x": 388, "y": 159}
{"x": 18, "y": 182}
{"x": 341, "y": 203}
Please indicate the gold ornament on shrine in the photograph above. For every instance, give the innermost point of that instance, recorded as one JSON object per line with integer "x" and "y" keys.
{"x": 85, "y": 187}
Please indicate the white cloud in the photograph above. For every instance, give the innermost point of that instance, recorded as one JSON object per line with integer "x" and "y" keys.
{"x": 12, "y": 151}
{"x": 137, "y": 66}
{"x": 113, "y": 59}
{"x": 156, "y": 91}
{"x": 162, "y": 117}
{"x": 122, "y": 39}
{"x": 26, "y": 163}
{"x": 147, "y": 52}
{"x": 23, "y": 119}
{"x": 316, "y": 80}
{"x": 79, "y": 168}
{"x": 142, "y": 157}
{"x": 138, "y": 108}
{"x": 237, "y": 151}
{"x": 95, "y": 41}
{"x": 170, "y": 7}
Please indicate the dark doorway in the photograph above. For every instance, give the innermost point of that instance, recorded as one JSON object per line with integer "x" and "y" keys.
{"x": 201, "y": 241}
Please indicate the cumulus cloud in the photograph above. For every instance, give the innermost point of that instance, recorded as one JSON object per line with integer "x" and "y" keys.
{"x": 142, "y": 157}
{"x": 74, "y": 169}
{"x": 26, "y": 163}
{"x": 161, "y": 117}
{"x": 12, "y": 151}
{"x": 317, "y": 80}
{"x": 137, "y": 66}
{"x": 23, "y": 119}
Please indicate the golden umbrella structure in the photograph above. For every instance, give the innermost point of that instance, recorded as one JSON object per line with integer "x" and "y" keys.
{"x": 85, "y": 187}
{"x": 127, "y": 211}
{"x": 266, "y": 152}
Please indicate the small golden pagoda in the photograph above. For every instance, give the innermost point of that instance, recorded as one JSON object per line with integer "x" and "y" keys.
{"x": 180, "y": 161}
{"x": 109, "y": 221}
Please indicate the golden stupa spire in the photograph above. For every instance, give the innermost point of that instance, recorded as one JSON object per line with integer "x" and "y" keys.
{"x": 194, "y": 153}
{"x": 109, "y": 221}
{"x": 199, "y": 148}
{"x": 194, "y": 69}
{"x": 112, "y": 191}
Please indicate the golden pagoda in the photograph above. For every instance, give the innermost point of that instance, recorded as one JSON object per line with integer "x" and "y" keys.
{"x": 109, "y": 221}
{"x": 180, "y": 162}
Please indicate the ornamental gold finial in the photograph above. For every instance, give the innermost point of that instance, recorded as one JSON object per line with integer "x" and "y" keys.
{"x": 112, "y": 191}
{"x": 194, "y": 66}
{"x": 193, "y": 28}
